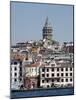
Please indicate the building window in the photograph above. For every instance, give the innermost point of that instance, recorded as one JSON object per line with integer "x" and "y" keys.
{"x": 47, "y": 85}
{"x": 61, "y": 74}
{"x": 20, "y": 74}
{"x": 52, "y": 80}
{"x": 66, "y": 74}
{"x": 43, "y": 75}
{"x": 52, "y": 75}
{"x": 70, "y": 74}
{"x": 70, "y": 69}
{"x": 20, "y": 79}
{"x": 47, "y": 70}
{"x": 47, "y": 75}
{"x": 52, "y": 69}
{"x": 61, "y": 69}
{"x": 62, "y": 80}
{"x": 57, "y": 69}
{"x": 66, "y": 69}
{"x": 57, "y": 74}
{"x": 15, "y": 79}
{"x": 70, "y": 79}
{"x": 15, "y": 74}
{"x": 42, "y": 81}
{"x": 57, "y": 80}
{"x": 47, "y": 81}
{"x": 15, "y": 68}
{"x": 15, "y": 63}
{"x": 43, "y": 70}
{"x": 66, "y": 80}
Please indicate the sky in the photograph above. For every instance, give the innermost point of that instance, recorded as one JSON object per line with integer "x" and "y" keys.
{"x": 28, "y": 19}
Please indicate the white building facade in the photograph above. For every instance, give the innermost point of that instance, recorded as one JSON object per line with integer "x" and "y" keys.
{"x": 56, "y": 75}
{"x": 16, "y": 74}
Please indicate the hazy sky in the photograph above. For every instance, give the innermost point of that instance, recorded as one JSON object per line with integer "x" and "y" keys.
{"x": 28, "y": 19}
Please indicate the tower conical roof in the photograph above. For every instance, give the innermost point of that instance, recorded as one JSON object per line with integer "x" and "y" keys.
{"x": 47, "y": 24}
{"x": 47, "y": 30}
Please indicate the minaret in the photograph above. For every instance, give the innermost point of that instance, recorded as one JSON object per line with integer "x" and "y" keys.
{"x": 47, "y": 30}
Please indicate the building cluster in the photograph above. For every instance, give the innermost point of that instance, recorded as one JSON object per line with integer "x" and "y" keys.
{"x": 42, "y": 64}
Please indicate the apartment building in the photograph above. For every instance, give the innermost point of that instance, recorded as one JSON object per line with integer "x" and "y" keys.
{"x": 16, "y": 74}
{"x": 56, "y": 74}
{"x": 31, "y": 75}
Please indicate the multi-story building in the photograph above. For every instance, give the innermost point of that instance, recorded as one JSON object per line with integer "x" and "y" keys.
{"x": 16, "y": 74}
{"x": 56, "y": 74}
{"x": 31, "y": 75}
{"x": 68, "y": 47}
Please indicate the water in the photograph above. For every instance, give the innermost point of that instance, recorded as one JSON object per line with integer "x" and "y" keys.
{"x": 42, "y": 93}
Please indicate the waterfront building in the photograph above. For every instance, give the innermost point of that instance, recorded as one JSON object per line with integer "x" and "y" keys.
{"x": 31, "y": 75}
{"x": 56, "y": 75}
{"x": 16, "y": 74}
